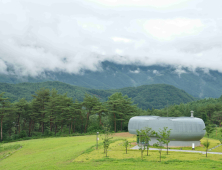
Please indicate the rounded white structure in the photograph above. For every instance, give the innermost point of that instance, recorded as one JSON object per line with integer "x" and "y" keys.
{"x": 184, "y": 130}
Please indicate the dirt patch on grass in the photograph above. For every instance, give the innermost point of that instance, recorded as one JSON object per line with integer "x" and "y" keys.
{"x": 123, "y": 134}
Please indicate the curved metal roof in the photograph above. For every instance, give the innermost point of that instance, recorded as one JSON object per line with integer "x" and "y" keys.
{"x": 182, "y": 128}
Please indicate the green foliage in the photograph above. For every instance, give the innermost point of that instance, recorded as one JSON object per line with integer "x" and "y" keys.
{"x": 9, "y": 147}
{"x": 143, "y": 138}
{"x": 115, "y": 76}
{"x": 48, "y": 111}
{"x": 106, "y": 139}
{"x": 126, "y": 144}
{"x": 158, "y": 96}
{"x": 209, "y": 129}
{"x": 163, "y": 135}
{"x": 207, "y": 145}
{"x": 121, "y": 108}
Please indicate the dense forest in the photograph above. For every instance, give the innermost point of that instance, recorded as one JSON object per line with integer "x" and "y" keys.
{"x": 210, "y": 110}
{"x": 49, "y": 113}
{"x": 155, "y": 96}
{"x": 197, "y": 83}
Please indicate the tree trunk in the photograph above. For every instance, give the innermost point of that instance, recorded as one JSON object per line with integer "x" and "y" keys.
{"x": 206, "y": 152}
{"x": 24, "y": 123}
{"x": 42, "y": 124}
{"x": 147, "y": 150}
{"x": 42, "y": 127}
{"x": 61, "y": 128}
{"x": 30, "y": 126}
{"x": 167, "y": 148}
{"x": 82, "y": 125}
{"x": 51, "y": 125}
{"x": 160, "y": 156}
{"x": 114, "y": 122}
{"x": 74, "y": 126}
{"x": 220, "y": 122}
{"x": 33, "y": 124}
{"x": 1, "y": 128}
{"x": 121, "y": 123}
{"x": 126, "y": 150}
{"x": 55, "y": 128}
{"x": 69, "y": 127}
{"x": 19, "y": 123}
{"x": 100, "y": 123}
{"x": 87, "y": 119}
{"x": 142, "y": 152}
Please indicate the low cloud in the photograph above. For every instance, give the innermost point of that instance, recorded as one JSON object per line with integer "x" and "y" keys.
{"x": 135, "y": 71}
{"x": 179, "y": 70}
{"x": 157, "y": 73}
{"x": 73, "y": 36}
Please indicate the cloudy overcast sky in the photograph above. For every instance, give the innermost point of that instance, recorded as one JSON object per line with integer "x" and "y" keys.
{"x": 73, "y": 35}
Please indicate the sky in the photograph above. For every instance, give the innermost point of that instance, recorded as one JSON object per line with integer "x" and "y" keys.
{"x": 76, "y": 35}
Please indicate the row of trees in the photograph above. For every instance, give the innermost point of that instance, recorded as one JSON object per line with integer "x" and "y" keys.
{"x": 210, "y": 110}
{"x": 49, "y": 112}
{"x": 144, "y": 135}
{"x": 162, "y": 138}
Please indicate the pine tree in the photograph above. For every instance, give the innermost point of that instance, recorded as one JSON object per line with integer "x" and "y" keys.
{"x": 89, "y": 103}
{"x": 101, "y": 110}
{"x": 5, "y": 108}
{"x": 42, "y": 97}
{"x": 20, "y": 107}
{"x": 77, "y": 114}
{"x": 120, "y": 107}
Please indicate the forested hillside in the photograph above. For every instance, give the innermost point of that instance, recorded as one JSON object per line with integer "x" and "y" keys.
{"x": 210, "y": 110}
{"x": 50, "y": 113}
{"x": 198, "y": 83}
{"x": 155, "y": 96}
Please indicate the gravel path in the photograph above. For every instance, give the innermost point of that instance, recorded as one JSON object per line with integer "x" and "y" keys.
{"x": 175, "y": 150}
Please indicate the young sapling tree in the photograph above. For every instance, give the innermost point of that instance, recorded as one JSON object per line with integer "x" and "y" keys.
{"x": 126, "y": 144}
{"x": 165, "y": 135}
{"x": 159, "y": 145}
{"x": 142, "y": 135}
{"x": 148, "y": 132}
{"x": 209, "y": 129}
{"x": 206, "y": 144}
{"x": 106, "y": 139}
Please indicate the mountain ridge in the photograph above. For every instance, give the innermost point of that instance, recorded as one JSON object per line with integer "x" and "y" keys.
{"x": 146, "y": 96}
{"x": 199, "y": 83}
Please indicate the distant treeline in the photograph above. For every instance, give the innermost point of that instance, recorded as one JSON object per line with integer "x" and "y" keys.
{"x": 51, "y": 114}
{"x": 210, "y": 110}
{"x": 155, "y": 96}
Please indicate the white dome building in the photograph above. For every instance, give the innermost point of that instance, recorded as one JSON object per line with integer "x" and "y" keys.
{"x": 184, "y": 130}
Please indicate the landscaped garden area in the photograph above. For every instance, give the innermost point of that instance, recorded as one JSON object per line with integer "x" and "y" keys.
{"x": 80, "y": 153}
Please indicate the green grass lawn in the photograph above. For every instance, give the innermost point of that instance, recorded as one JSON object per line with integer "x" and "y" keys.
{"x": 79, "y": 153}
{"x": 213, "y": 143}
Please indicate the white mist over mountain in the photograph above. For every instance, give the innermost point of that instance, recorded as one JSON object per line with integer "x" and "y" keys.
{"x": 71, "y": 36}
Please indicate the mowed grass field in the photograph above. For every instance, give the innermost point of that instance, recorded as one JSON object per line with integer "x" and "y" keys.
{"x": 79, "y": 153}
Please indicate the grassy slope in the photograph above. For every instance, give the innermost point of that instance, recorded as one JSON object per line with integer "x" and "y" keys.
{"x": 66, "y": 153}
{"x": 49, "y": 153}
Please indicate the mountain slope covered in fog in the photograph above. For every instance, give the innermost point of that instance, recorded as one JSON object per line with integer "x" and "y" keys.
{"x": 198, "y": 83}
